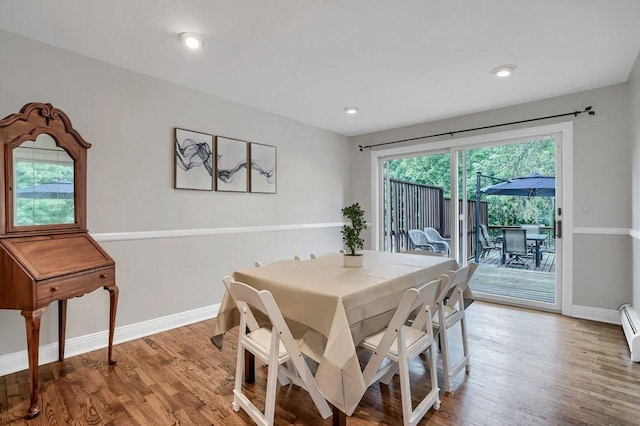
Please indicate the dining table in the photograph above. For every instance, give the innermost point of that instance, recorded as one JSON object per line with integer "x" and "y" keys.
{"x": 330, "y": 309}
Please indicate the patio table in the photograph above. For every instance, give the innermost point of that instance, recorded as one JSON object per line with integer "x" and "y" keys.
{"x": 331, "y": 308}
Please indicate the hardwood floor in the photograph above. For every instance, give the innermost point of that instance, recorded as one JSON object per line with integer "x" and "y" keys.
{"x": 527, "y": 368}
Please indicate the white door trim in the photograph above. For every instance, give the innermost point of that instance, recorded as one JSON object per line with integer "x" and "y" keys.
{"x": 566, "y": 130}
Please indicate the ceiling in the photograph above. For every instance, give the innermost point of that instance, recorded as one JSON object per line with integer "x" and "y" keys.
{"x": 401, "y": 62}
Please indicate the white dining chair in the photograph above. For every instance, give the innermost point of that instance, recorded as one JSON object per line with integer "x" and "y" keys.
{"x": 273, "y": 346}
{"x": 400, "y": 344}
{"x": 311, "y": 256}
{"x": 451, "y": 310}
{"x": 281, "y": 377}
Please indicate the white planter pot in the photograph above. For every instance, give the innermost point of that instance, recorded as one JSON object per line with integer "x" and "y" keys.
{"x": 353, "y": 261}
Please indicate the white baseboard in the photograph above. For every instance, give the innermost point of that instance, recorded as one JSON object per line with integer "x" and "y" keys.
{"x": 18, "y": 361}
{"x": 611, "y": 316}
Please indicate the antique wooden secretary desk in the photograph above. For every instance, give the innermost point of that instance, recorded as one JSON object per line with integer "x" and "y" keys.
{"x": 46, "y": 254}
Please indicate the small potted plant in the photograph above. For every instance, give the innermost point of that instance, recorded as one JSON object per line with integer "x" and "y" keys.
{"x": 351, "y": 234}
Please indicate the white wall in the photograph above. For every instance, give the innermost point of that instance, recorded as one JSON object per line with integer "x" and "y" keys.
{"x": 129, "y": 118}
{"x": 634, "y": 84}
{"x": 602, "y": 177}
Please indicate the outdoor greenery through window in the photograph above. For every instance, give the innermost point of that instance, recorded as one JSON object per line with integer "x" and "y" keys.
{"x": 43, "y": 182}
{"x": 502, "y": 162}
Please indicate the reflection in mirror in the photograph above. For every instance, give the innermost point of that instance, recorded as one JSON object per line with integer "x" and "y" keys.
{"x": 43, "y": 181}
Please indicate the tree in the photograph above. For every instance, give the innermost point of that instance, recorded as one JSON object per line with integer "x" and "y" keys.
{"x": 503, "y": 162}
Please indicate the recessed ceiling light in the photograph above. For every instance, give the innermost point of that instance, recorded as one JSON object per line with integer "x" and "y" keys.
{"x": 191, "y": 40}
{"x": 503, "y": 70}
{"x": 351, "y": 110}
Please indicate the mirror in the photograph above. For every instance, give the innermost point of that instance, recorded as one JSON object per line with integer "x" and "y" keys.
{"x": 43, "y": 178}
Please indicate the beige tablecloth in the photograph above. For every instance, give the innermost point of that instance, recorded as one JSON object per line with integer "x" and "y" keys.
{"x": 331, "y": 308}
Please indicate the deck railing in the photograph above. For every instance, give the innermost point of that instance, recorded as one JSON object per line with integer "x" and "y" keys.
{"x": 417, "y": 206}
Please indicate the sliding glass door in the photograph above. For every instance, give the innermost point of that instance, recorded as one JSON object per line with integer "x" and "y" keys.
{"x": 510, "y": 221}
{"x": 501, "y": 190}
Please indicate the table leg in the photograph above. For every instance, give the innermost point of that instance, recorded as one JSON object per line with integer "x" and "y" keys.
{"x": 62, "y": 327}
{"x": 339, "y": 417}
{"x": 537, "y": 253}
{"x": 32, "y": 323}
{"x": 113, "y": 307}
{"x": 249, "y": 367}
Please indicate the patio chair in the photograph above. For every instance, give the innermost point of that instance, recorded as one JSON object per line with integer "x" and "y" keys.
{"x": 486, "y": 243}
{"x": 531, "y": 245}
{"x": 435, "y": 239}
{"x": 423, "y": 252}
{"x": 531, "y": 229}
{"x": 515, "y": 245}
{"x": 419, "y": 240}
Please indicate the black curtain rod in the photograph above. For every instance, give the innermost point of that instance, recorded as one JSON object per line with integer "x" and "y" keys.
{"x": 574, "y": 113}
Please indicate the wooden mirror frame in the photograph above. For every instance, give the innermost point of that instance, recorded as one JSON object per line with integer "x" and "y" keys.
{"x": 33, "y": 120}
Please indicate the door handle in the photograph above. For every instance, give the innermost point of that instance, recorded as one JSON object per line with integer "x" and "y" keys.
{"x": 558, "y": 229}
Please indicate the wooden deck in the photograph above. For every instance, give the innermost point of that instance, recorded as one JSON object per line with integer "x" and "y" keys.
{"x": 536, "y": 284}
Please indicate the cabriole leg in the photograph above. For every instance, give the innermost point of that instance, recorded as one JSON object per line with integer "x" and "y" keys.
{"x": 32, "y": 323}
{"x": 113, "y": 307}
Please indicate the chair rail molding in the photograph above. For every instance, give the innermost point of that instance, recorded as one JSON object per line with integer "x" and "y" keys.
{"x": 605, "y": 231}
{"x": 202, "y": 232}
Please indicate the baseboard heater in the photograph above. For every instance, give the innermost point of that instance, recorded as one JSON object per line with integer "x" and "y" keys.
{"x": 631, "y": 327}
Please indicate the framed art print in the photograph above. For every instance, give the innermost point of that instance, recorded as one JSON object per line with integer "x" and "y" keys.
{"x": 194, "y": 160}
{"x": 263, "y": 168}
{"x": 231, "y": 165}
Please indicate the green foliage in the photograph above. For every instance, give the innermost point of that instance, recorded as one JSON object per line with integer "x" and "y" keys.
{"x": 351, "y": 234}
{"x": 43, "y": 211}
{"x": 432, "y": 170}
{"x": 503, "y": 162}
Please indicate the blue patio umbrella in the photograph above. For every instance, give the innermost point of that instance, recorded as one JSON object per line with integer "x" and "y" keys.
{"x": 528, "y": 186}
{"x": 49, "y": 190}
